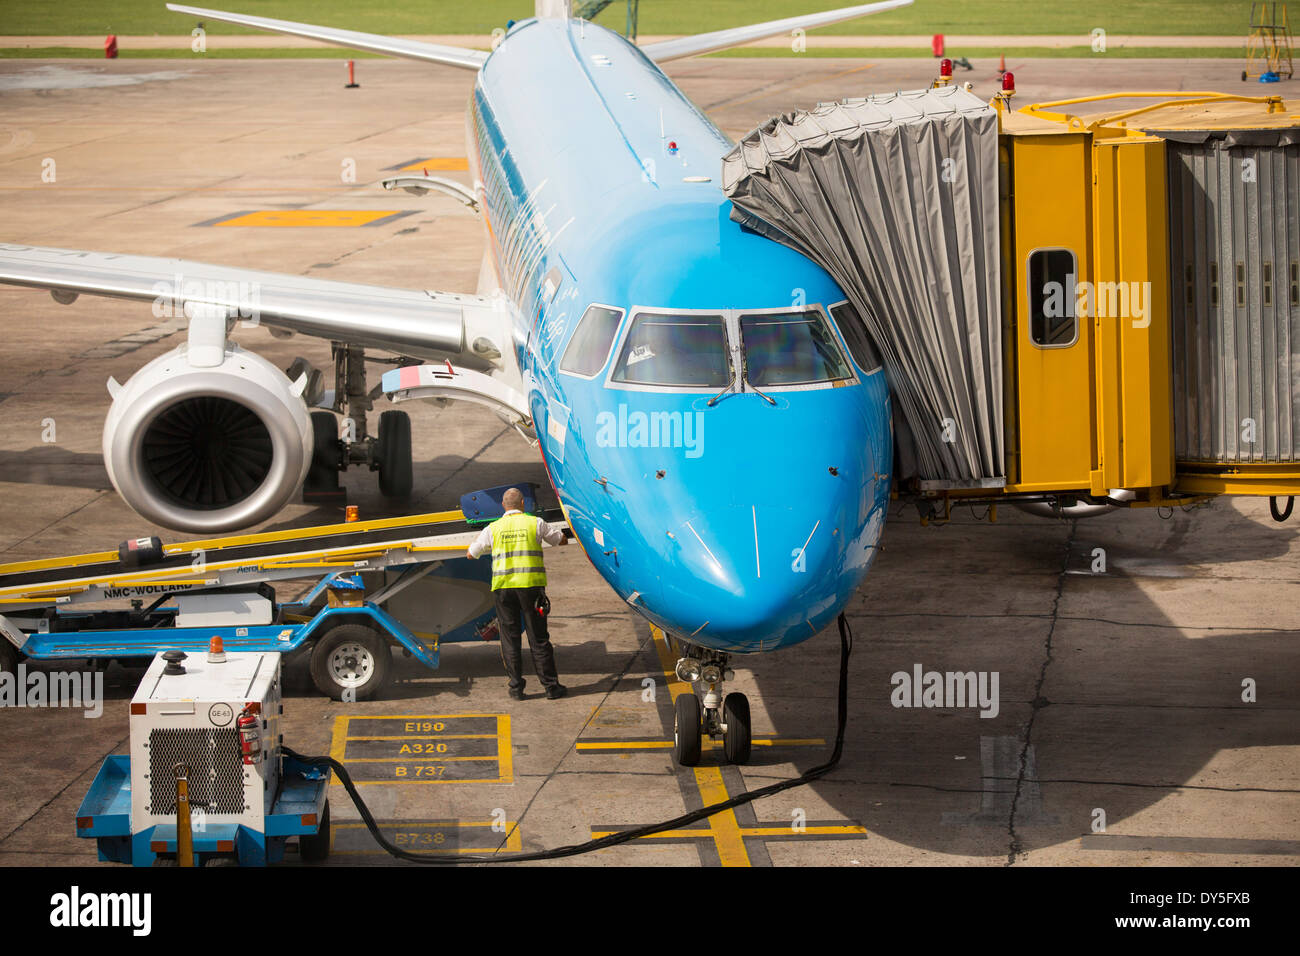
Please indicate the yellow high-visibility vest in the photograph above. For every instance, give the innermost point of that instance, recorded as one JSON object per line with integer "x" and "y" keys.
{"x": 516, "y": 553}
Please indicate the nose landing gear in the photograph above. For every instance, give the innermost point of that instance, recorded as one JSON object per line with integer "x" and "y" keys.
{"x": 716, "y": 716}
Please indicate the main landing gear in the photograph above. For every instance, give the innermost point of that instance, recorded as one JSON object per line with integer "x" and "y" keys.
{"x": 388, "y": 453}
{"x": 715, "y": 715}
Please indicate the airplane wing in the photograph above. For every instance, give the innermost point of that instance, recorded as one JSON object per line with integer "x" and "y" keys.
{"x": 373, "y": 42}
{"x": 412, "y": 322}
{"x": 738, "y": 36}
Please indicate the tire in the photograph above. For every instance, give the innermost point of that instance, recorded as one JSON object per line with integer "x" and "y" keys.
{"x": 396, "y": 475}
{"x": 325, "y": 452}
{"x": 351, "y": 657}
{"x": 686, "y": 730}
{"x": 315, "y": 847}
{"x": 736, "y": 739}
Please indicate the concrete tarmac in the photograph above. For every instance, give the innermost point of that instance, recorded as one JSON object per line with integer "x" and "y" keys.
{"x": 1121, "y": 735}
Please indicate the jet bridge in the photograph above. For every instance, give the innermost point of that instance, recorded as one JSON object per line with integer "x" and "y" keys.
{"x": 1076, "y": 312}
{"x": 896, "y": 197}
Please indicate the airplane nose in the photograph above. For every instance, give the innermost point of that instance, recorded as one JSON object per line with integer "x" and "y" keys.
{"x": 755, "y": 576}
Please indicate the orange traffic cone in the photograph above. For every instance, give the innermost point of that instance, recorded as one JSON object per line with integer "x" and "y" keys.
{"x": 1002, "y": 64}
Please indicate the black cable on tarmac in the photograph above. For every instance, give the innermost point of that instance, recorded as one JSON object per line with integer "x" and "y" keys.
{"x": 624, "y": 836}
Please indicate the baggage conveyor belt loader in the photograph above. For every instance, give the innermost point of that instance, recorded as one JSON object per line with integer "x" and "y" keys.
{"x": 398, "y": 581}
{"x": 1077, "y": 311}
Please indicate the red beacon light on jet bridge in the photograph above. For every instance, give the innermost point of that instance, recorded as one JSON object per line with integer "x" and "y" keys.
{"x": 945, "y": 67}
{"x": 1008, "y": 82}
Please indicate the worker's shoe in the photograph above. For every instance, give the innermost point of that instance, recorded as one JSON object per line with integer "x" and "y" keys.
{"x": 556, "y": 692}
{"x": 516, "y": 693}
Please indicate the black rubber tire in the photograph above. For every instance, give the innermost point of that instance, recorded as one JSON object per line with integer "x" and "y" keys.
{"x": 736, "y": 738}
{"x": 396, "y": 473}
{"x": 325, "y": 452}
{"x": 687, "y": 730}
{"x": 375, "y": 658}
{"x": 1281, "y": 514}
{"x": 8, "y": 656}
{"x": 315, "y": 847}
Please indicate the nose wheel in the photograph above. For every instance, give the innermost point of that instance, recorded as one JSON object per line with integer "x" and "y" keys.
{"x": 718, "y": 717}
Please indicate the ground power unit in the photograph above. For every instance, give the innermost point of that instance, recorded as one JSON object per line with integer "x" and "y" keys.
{"x": 214, "y": 720}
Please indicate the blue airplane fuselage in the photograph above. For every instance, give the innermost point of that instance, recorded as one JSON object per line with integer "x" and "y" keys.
{"x": 735, "y": 524}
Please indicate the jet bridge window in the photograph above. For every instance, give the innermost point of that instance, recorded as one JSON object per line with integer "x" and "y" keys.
{"x": 683, "y": 350}
{"x": 791, "y": 348}
{"x": 1053, "y": 279}
{"x": 855, "y": 336}
{"x": 589, "y": 348}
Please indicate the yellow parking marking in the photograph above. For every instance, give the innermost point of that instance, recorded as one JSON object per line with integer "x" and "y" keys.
{"x": 725, "y": 827}
{"x": 309, "y": 217}
{"x": 440, "y": 163}
{"x": 431, "y": 836}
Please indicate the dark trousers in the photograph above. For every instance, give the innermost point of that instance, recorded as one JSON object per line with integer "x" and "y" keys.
{"x": 513, "y": 606}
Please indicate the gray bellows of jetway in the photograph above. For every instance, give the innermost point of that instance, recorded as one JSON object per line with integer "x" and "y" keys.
{"x": 1234, "y": 270}
{"x": 896, "y": 196}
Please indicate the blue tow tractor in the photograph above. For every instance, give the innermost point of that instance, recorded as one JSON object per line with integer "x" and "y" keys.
{"x": 206, "y": 782}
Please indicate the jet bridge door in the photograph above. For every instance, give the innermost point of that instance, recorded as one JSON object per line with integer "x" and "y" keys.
{"x": 1049, "y": 254}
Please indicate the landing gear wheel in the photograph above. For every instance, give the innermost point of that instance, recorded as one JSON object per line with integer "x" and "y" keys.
{"x": 326, "y": 457}
{"x": 315, "y": 847}
{"x": 735, "y": 741}
{"x": 686, "y": 730}
{"x": 351, "y": 659}
{"x": 396, "y": 477}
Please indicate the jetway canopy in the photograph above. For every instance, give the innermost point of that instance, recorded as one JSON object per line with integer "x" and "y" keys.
{"x": 896, "y": 196}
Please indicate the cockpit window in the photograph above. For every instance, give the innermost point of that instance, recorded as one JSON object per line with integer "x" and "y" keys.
{"x": 590, "y": 345}
{"x": 855, "y": 336}
{"x": 790, "y": 348}
{"x": 675, "y": 350}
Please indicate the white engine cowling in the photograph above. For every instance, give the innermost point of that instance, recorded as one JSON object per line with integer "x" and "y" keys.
{"x": 208, "y": 449}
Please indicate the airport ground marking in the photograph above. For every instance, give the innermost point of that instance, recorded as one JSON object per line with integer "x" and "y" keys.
{"x": 736, "y": 842}
{"x": 424, "y": 748}
{"x": 431, "y": 837}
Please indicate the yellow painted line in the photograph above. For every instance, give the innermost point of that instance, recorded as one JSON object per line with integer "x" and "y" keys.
{"x": 443, "y": 163}
{"x": 665, "y": 835}
{"x": 414, "y": 758}
{"x": 630, "y": 745}
{"x": 309, "y": 217}
{"x": 504, "y": 752}
{"x": 361, "y": 717}
{"x": 339, "y": 742}
{"x": 845, "y": 830}
{"x": 403, "y": 782}
{"x": 726, "y": 829}
{"x": 666, "y": 661}
{"x": 432, "y": 737}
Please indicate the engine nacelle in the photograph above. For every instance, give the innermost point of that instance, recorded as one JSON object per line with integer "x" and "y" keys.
{"x": 208, "y": 449}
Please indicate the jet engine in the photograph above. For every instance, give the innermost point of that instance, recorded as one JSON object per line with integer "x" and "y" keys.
{"x": 208, "y": 447}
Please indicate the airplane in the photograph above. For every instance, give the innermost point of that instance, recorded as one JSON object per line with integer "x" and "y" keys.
{"x": 709, "y": 410}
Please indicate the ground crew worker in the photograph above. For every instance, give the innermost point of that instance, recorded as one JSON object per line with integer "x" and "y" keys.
{"x": 518, "y": 583}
